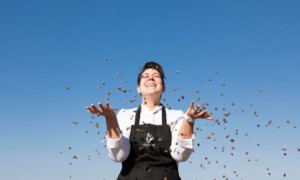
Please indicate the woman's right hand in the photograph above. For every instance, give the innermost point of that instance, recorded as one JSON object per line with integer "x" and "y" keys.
{"x": 105, "y": 111}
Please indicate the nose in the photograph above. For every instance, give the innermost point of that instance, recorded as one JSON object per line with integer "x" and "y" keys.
{"x": 150, "y": 78}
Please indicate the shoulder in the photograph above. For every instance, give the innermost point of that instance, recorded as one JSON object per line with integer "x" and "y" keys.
{"x": 126, "y": 117}
{"x": 174, "y": 115}
{"x": 125, "y": 112}
{"x": 174, "y": 112}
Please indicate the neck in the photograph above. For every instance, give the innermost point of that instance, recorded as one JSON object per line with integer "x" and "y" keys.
{"x": 150, "y": 103}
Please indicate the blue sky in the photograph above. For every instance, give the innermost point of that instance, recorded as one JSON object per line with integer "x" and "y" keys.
{"x": 241, "y": 52}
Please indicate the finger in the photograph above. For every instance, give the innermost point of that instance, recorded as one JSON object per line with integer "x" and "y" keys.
{"x": 88, "y": 109}
{"x": 192, "y": 105}
{"x": 197, "y": 108}
{"x": 92, "y": 105}
{"x": 209, "y": 118}
{"x": 107, "y": 105}
{"x": 206, "y": 115}
{"x": 94, "y": 108}
{"x": 201, "y": 114}
{"x": 101, "y": 106}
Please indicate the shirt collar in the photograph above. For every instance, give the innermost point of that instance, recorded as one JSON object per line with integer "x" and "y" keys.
{"x": 156, "y": 109}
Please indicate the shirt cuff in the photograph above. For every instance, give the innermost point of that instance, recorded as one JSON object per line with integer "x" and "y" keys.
{"x": 114, "y": 143}
{"x": 186, "y": 143}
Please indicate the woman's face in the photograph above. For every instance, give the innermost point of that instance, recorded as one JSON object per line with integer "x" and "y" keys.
{"x": 151, "y": 83}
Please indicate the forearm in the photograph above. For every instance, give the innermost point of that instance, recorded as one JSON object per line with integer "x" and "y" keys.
{"x": 182, "y": 140}
{"x": 112, "y": 127}
{"x": 186, "y": 130}
{"x": 118, "y": 144}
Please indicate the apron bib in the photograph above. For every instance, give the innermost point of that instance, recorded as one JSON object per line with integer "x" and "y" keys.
{"x": 149, "y": 157}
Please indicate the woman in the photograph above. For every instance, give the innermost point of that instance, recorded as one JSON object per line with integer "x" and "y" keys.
{"x": 150, "y": 140}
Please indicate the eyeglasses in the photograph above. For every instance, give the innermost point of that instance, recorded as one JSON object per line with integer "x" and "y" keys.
{"x": 147, "y": 76}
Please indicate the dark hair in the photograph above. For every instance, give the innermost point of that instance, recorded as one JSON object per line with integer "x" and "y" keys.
{"x": 152, "y": 65}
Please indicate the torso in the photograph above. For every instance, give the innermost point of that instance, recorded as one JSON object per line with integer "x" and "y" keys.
{"x": 149, "y": 156}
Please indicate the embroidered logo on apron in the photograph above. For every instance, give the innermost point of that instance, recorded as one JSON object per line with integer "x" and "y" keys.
{"x": 149, "y": 141}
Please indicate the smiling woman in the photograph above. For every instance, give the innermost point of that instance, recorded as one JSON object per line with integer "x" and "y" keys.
{"x": 150, "y": 140}
{"x": 151, "y": 83}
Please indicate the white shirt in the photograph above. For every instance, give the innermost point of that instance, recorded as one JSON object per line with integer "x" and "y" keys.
{"x": 118, "y": 149}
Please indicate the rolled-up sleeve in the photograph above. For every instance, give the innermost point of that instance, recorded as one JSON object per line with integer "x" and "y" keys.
{"x": 118, "y": 149}
{"x": 182, "y": 150}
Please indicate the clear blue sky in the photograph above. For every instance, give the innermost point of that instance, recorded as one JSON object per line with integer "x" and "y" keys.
{"x": 223, "y": 51}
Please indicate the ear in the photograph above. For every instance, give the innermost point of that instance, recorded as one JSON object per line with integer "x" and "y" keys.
{"x": 164, "y": 88}
{"x": 138, "y": 89}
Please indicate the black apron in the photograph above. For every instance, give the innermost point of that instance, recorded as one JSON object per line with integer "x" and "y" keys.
{"x": 149, "y": 157}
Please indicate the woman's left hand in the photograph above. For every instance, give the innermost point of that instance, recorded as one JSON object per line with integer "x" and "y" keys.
{"x": 197, "y": 112}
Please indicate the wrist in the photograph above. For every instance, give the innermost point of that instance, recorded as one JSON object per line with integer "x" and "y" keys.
{"x": 188, "y": 118}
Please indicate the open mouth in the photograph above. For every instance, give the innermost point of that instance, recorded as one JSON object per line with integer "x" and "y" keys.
{"x": 149, "y": 85}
